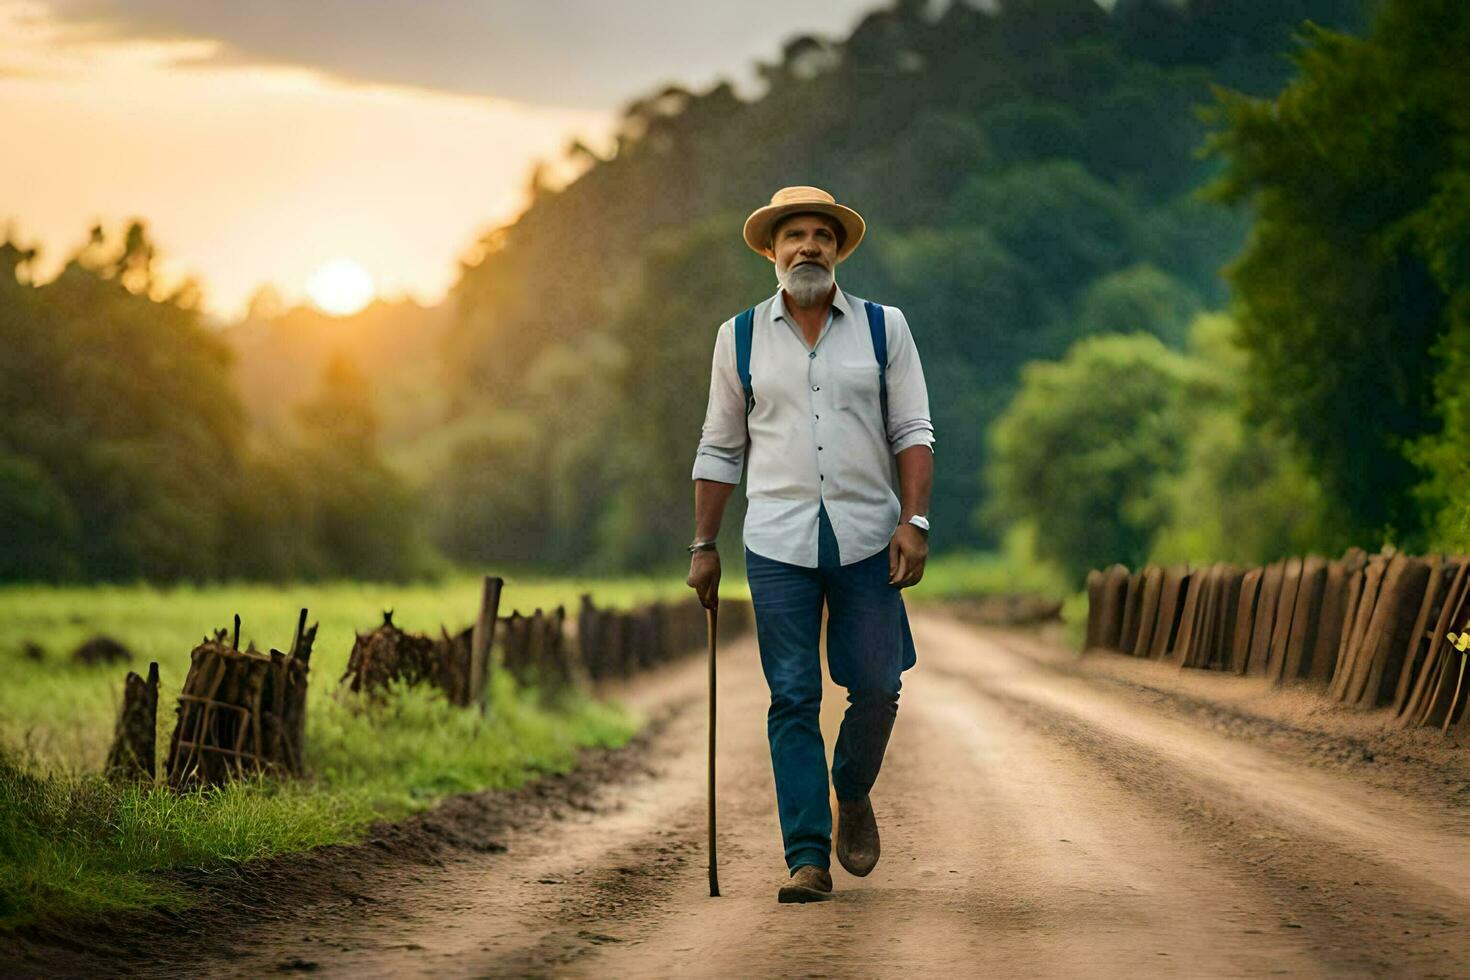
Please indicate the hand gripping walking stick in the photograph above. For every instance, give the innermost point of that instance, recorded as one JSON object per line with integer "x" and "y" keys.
{"x": 714, "y": 873}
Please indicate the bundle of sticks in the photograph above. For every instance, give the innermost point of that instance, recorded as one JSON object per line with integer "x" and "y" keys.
{"x": 389, "y": 654}
{"x": 241, "y": 711}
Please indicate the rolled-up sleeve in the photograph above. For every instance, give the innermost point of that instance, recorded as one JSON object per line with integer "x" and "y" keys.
{"x": 721, "y": 453}
{"x": 908, "y": 398}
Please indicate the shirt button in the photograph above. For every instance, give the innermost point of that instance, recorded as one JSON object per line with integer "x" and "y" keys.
{"x": 813, "y": 354}
{"x": 816, "y": 387}
{"x": 819, "y": 449}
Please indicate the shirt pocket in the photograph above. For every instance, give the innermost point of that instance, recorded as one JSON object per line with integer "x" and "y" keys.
{"x": 857, "y": 387}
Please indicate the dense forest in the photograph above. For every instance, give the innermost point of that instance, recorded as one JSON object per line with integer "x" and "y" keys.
{"x": 126, "y": 449}
{"x": 1188, "y": 280}
{"x": 1029, "y": 178}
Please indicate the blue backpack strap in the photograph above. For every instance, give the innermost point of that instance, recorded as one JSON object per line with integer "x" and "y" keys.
{"x": 879, "y": 330}
{"x": 744, "y": 330}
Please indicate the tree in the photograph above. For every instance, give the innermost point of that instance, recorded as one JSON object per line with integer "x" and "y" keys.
{"x": 123, "y": 406}
{"x": 1244, "y": 493}
{"x": 688, "y": 284}
{"x": 341, "y": 416}
{"x": 491, "y": 501}
{"x": 124, "y": 449}
{"x": 1040, "y": 145}
{"x": 1140, "y": 298}
{"x": 1119, "y": 453}
{"x": 266, "y": 303}
{"x": 1023, "y": 131}
{"x": 1062, "y": 223}
{"x": 1079, "y": 452}
{"x": 37, "y": 523}
{"x": 1443, "y": 232}
{"x": 365, "y": 518}
{"x": 1354, "y": 172}
{"x": 977, "y": 314}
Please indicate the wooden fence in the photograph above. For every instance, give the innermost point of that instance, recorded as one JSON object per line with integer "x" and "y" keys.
{"x": 615, "y": 643}
{"x": 243, "y": 711}
{"x": 1370, "y": 630}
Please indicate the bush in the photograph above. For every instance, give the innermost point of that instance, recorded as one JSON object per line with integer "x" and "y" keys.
{"x": 1080, "y": 451}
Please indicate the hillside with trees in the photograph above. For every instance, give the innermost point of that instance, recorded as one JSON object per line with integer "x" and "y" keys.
{"x": 1029, "y": 177}
{"x": 127, "y": 452}
{"x": 1035, "y": 183}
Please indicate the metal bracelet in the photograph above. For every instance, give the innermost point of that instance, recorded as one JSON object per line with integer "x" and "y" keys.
{"x": 702, "y": 546}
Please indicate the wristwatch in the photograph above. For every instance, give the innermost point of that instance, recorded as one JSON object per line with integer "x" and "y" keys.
{"x": 702, "y": 546}
{"x": 920, "y": 522}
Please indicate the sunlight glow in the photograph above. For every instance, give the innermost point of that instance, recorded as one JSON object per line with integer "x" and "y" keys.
{"x": 341, "y": 287}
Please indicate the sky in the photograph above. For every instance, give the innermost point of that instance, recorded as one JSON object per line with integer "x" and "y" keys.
{"x": 263, "y": 140}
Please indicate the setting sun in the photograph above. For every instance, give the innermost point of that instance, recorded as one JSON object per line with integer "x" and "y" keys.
{"x": 341, "y": 287}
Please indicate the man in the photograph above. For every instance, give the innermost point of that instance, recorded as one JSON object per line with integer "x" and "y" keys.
{"x": 832, "y": 402}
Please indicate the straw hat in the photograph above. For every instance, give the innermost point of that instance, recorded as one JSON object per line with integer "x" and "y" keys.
{"x": 799, "y": 200}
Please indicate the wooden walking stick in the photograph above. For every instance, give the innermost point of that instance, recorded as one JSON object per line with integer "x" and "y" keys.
{"x": 714, "y": 873}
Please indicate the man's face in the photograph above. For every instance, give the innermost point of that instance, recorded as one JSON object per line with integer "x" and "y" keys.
{"x": 804, "y": 238}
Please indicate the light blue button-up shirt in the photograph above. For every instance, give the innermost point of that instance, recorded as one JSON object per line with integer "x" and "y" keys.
{"x": 816, "y": 434}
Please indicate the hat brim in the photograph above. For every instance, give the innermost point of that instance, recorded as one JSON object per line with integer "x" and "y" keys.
{"x": 758, "y": 226}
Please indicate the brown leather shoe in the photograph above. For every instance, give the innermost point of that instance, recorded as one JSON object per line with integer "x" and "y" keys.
{"x": 857, "y": 836}
{"x": 808, "y": 883}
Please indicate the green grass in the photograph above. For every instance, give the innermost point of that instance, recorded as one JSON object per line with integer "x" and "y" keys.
{"x": 1012, "y": 570}
{"x": 71, "y": 843}
{"x": 1074, "y": 618}
{"x": 416, "y": 747}
{"x": 996, "y": 573}
{"x": 965, "y": 574}
{"x": 62, "y": 714}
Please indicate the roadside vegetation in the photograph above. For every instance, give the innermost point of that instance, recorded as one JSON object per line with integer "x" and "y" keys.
{"x": 72, "y": 843}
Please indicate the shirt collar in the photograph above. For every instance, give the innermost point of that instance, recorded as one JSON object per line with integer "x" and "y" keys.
{"x": 839, "y": 305}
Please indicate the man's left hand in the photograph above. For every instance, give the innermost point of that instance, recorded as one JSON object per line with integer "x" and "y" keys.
{"x": 907, "y": 553}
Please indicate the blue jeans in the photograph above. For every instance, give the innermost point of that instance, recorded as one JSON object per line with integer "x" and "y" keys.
{"x": 868, "y": 646}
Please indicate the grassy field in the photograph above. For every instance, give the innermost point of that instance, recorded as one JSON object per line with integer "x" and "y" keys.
{"x": 61, "y": 714}
{"x": 71, "y": 843}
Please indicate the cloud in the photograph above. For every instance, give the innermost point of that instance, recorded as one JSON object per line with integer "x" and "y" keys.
{"x": 574, "y": 53}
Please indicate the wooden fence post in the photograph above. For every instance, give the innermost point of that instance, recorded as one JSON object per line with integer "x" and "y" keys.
{"x": 134, "y": 749}
{"x": 587, "y": 633}
{"x": 484, "y": 635}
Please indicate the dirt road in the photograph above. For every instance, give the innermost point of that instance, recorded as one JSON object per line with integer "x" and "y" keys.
{"x": 1038, "y": 819}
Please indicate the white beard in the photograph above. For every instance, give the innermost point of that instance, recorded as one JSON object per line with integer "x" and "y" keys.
{"x": 806, "y": 283}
